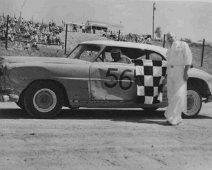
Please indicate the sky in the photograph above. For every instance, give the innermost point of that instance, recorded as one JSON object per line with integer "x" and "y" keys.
{"x": 186, "y": 19}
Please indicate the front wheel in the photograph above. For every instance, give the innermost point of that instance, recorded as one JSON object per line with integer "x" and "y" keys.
{"x": 194, "y": 103}
{"x": 20, "y": 102}
{"x": 43, "y": 100}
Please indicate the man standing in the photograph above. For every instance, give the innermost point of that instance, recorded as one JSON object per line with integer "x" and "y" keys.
{"x": 179, "y": 59}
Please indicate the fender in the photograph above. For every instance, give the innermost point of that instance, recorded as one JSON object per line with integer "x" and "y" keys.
{"x": 200, "y": 74}
{"x": 19, "y": 77}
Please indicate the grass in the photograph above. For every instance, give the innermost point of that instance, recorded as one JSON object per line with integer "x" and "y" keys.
{"x": 75, "y": 37}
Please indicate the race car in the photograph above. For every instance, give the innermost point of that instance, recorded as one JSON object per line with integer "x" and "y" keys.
{"x": 88, "y": 77}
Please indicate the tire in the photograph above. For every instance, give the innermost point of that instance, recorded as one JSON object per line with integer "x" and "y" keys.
{"x": 43, "y": 100}
{"x": 194, "y": 103}
{"x": 20, "y": 102}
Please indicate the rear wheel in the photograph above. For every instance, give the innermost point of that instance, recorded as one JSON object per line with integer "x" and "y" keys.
{"x": 43, "y": 100}
{"x": 194, "y": 102}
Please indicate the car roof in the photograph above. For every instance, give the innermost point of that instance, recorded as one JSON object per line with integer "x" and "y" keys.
{"x": 155, "y": 48}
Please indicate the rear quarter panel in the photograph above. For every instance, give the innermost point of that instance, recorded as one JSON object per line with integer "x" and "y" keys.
{"x": 202, "y": 75}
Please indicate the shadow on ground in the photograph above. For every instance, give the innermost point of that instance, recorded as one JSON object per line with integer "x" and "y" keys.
{"x": 139, "y": 116}
{"x": 86, "y": 114}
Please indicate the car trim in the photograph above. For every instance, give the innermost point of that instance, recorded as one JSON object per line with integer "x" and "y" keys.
{"x": 97, "y": 79}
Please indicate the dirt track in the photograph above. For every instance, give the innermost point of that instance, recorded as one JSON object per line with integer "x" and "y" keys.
{"x": 104, "y": 140}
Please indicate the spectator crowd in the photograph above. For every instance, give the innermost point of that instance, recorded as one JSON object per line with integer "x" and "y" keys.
{"x": 119, "y": 36}
{"x": 29, "y": 32}
{"x": 32, "y": 33}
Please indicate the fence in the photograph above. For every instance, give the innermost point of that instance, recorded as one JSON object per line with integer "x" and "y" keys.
{"x": 201, "y": 52}
{"x": 26, "y": 34}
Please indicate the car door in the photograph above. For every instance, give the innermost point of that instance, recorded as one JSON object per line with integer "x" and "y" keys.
{"x": 115, "y": 81}
{"x": 112, "y": 81}
{"x": 78, "y": 81}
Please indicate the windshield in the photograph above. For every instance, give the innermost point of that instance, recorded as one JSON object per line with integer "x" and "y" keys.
{"x": 86, "y": 52}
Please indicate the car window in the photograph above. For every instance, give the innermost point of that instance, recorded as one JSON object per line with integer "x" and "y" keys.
{"x": 142, "y": 57}
{"x": 131, "y": 53}
{"x": 155, "y": 56}
{"x": 88, "y": 55}
{"x": 108, "y": 57}
{"x": 86, "y": 52}
{"x": 101, "y": 57}
{"x": 124, "y": 59}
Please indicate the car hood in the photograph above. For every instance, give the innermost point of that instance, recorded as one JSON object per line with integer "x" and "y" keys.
{"x": 29, "y": 59}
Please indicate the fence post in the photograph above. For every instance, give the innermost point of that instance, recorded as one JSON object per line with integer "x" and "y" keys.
{"x": 119, "y": 35}
{"x": 164, "y": 40}
{"x": 203, "y": 48}
{"x": 66, "y": 38}
{"x": 6, "y": 34}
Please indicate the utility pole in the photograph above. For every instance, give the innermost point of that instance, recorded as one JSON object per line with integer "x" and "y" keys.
{"x": 6, "y": 34}
{"x": 20, "y": 17}
{"x": 164, "y": 40}
{"x": 203, "y": 47}
{"x": 66, "y": 38}
{"x": 153, "y": 21}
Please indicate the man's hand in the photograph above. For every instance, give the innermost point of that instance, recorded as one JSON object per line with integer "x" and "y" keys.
{"x": 164, "y": 82}
{"x": 185, "y": 76}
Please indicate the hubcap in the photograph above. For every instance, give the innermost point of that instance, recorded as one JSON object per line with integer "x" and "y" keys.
{"x": 193, "y": 103}
{"x": 45, "y": 100}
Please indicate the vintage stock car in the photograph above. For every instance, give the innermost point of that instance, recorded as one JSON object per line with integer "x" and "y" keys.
{"x": 88, "y": 77}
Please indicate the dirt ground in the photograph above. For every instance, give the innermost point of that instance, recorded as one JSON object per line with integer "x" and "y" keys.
{"x": 104, "y": 140}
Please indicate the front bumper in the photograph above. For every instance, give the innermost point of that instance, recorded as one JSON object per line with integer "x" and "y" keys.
{"x": 7, "y": 93}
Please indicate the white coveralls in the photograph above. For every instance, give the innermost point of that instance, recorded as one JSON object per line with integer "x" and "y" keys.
{"x": 178, "y": 56}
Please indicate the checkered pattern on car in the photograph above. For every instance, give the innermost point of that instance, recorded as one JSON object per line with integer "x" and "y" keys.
{"x": 149, "y": 76}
